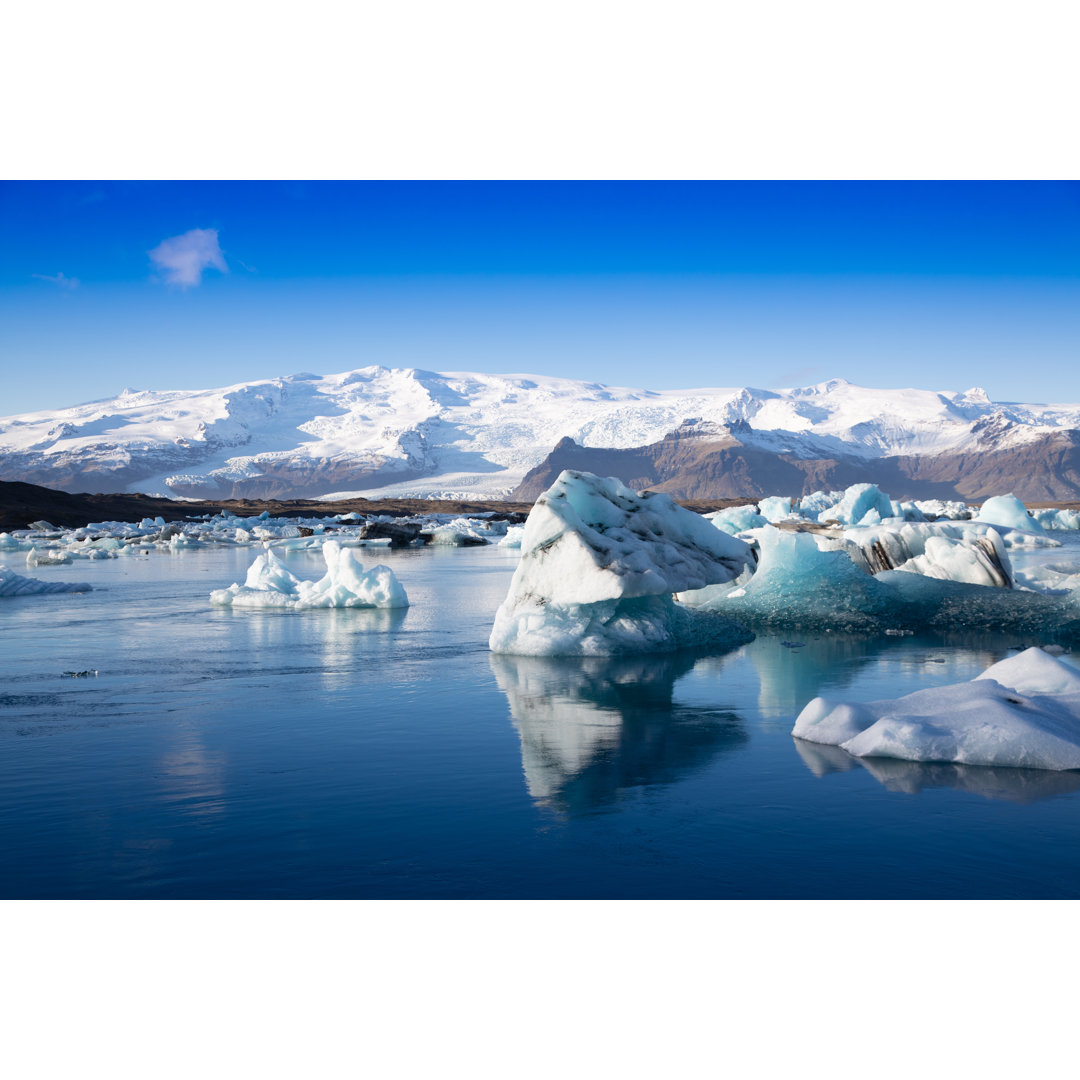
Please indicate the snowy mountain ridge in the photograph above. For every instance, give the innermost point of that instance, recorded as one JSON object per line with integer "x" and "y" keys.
{"x": 411, "y": 432}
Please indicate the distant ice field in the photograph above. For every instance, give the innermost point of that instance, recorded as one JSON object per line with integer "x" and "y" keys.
{"x": 155, "y": 745}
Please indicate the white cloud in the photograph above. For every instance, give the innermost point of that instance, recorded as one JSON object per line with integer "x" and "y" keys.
{"x": 59, "y": 279}
{"x": 184, "y": 258}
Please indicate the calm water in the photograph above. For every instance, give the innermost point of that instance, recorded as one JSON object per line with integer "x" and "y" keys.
{"x": 222, "y": 753}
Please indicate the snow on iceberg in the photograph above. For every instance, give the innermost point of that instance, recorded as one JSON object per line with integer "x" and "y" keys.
{"x": 12, "y": 584}
{"x": 1023, "y": 712}
{"x": 270, "y": 583}
{"x": 599, "y": 564}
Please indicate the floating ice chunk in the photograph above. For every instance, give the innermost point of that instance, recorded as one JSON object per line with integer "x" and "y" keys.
{"x": 459, "y": 533}
{"x": 12, "y": 584}
{"x": 599, "y": 564}
{"x": 811, "y": 505}
{"x": 47, "y": 557}
{"x": 1009, "y": 511}
{"x": 736, "y": 519}
{"x": 937, "y": 510}
{"x": 861, "y": 504}
{"x": 1053, "y": 519}
{"x": 972, "y": 553}
{"x": 775, "y": 508}
{"x": 979, "y": 562}
{"x": 514, "y": 535}
{"x": 270, "y": 583}
{"x": 1023, "y": 712}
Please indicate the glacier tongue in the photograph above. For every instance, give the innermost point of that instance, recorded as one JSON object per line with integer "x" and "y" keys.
{"x": 599, "y": 565}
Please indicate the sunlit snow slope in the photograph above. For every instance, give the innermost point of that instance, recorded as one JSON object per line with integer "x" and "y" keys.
{"x": 420, "y": 433}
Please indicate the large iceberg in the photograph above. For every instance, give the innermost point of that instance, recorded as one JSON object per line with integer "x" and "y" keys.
{"x": 1023, "y": 712}
{"x": 270, "y": 583}
{"x": 1008, "y": 511}
{"x": 599, "y": 565}
{"x": 802, "y": 584}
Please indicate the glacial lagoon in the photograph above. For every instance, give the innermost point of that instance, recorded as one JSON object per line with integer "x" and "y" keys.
{"x": 153, "y": 745}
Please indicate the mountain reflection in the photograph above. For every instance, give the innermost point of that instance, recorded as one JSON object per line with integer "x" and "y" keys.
{"x": 591, "y": 727}
{"x": 910, "y": 777}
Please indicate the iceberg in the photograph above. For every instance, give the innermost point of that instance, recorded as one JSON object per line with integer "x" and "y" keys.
{"x": 514, "y": 535}
{"x": 1009, "y": 512}
{"x": 599, "y": 565}
{"x": 1053, "y": 519}
{"x": 798, "y": 585}
{"x": 775, "y": 508}
{"x": 736, "y": 519}
{"x": 1023, "y": 712}
{"x": 860, "y": 504}
{"x": 12, "y": 584}
{"x": 347, "y": 584}
{"x": 802, "y": 584}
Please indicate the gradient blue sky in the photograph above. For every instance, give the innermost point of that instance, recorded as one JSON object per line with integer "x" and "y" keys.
{"x": 664, "y": 285}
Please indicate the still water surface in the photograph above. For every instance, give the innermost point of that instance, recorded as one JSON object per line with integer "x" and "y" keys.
{"x": 222, "y": 753}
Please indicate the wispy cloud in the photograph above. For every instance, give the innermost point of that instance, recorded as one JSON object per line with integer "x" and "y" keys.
{"x": 60, "y": 279}
{"x": 183, "y": 258}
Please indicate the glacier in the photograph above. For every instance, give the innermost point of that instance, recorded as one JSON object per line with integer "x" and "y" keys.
{"x": 1023, "y": 712}
{"x": 599, "y": 564}
{"x": 346, "y": 584}
{"x": 389, "y": 432}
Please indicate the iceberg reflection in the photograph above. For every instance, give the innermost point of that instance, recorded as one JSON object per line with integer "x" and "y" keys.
{"x": 591, "y": 727}
{"x": 911, "y": 777}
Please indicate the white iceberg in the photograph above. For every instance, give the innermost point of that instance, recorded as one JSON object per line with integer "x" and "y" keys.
{"x": 12, "y": 584}
{"x": 514, "y": 535}
{"x": 860, "y": 504}
{"x": 1023, "y": 712}
{"x": 1050, "y": 519}
{"x": 599, "y": 564}
{"x": 270, "y": 583}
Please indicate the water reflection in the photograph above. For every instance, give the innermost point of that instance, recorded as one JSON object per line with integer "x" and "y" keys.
{"x": 191, "y": 778}
{"x": 592, "y": 727}
{"x": 910, "y": 777}
{"x": 325, "y": 643}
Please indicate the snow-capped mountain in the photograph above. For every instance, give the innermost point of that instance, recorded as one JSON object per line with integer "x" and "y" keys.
{"x": 377, "y": 431}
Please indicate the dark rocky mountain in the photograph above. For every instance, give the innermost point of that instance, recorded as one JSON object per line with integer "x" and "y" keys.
{"x": 692, "y": 466}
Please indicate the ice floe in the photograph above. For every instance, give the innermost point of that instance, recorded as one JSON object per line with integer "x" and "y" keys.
{"x": 598, "y": 568}
{"x": 346, "y": 584}
{"x": 1023, "y": 712}
{"x": 12, "y": 584}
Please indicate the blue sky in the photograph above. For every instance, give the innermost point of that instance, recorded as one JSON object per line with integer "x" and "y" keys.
{"x": 665, "y": 285}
